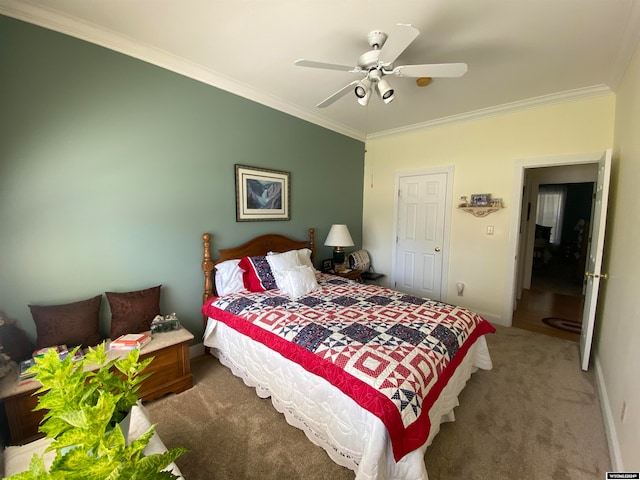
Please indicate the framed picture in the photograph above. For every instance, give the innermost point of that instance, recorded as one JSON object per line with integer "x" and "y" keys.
{"x": 495, "y": 202}
{"x": 480, "y": 199}
{"x": 327, "y": 265}
{"x": 261, "y": 194}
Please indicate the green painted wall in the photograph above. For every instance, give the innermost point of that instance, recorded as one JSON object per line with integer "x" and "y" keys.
{"x": 111, "y": 169}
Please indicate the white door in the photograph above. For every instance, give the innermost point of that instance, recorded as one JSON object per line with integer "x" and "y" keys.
{"x": 594, "y": 262}
{"x": 420, "y": 234}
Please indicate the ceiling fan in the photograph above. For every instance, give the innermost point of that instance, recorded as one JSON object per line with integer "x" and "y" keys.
{"x": 378, "y": 62}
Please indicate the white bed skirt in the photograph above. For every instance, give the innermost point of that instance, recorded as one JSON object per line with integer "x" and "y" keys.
{"x": 351, "y": 436}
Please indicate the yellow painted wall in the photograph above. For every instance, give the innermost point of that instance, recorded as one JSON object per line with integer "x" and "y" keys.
{"x": 483, "y": 153}
{"x": 618, "y": 327}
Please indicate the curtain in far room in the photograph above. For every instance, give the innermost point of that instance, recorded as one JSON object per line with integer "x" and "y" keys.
{"x": 551, "y": 203}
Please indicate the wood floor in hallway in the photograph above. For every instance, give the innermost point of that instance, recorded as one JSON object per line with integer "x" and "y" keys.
{"x": 538, "y": 304}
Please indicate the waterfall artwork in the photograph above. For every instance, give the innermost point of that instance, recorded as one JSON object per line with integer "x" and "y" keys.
{"x": 261, "y": 194}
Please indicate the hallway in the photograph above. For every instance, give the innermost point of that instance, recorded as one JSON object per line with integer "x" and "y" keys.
{"x": 538, "y": 304}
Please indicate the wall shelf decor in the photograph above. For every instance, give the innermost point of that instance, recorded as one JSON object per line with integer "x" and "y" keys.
{"x": 480, "y": 211}
{"x": 481, "y": 204}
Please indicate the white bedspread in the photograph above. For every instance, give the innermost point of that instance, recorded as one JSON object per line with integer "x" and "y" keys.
{"x": 351, "y": 436}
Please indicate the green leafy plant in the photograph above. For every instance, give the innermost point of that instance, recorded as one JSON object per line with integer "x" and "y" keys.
{"x": 85, "y": 401}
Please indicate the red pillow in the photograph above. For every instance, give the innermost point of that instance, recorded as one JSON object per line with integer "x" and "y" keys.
{"x": 257, "y": 276}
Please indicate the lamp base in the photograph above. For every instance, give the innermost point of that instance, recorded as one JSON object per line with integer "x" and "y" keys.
{"x": 338, "y": 259}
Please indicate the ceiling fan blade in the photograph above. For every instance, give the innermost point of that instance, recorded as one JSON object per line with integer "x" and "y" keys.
{"x": 433, "y": 70}
{"x": 398, "y": 40}
{"x": 326, "y": 66}
{"x": 339, "y": 94}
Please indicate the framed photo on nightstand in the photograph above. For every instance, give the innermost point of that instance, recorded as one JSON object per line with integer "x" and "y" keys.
{"x": 327, "y": 265}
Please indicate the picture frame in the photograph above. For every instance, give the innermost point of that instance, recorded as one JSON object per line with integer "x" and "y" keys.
{"x": 262, "y": 194}
{"x": 327, "y": 265}
{"x": 495, "y": 202}
{"x": 480, "y": 199}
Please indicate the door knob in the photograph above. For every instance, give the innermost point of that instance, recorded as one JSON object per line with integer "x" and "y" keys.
{"x": 604, "y": 276}
{"x": 437, "y": 249}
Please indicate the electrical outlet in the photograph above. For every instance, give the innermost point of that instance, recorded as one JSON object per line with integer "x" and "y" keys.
{"x": 623, "y": 413}
{"x": 490, "y": 230}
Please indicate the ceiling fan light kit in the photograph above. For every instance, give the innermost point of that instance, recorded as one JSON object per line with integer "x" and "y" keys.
{"x": 363, "y": 88}
{"x": 378, "y": 62}
{"x": 385, "y": 91}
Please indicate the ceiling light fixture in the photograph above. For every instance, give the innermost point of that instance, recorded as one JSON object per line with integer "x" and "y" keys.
{"x": 363, "y": 91}
{"x": 363, "y": 87}
{"x": 385, "y": 91}
{"x": 373, "y": 81}
{"x": 364, "y": 100}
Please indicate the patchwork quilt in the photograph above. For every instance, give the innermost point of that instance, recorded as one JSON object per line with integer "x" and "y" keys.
{"x": 390, "y": 352}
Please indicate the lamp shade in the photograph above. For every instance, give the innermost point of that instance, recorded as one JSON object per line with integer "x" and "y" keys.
{"x": 339, "y": 236}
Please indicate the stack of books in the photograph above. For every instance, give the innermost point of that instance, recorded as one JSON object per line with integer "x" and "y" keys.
{"x": 61, "y": 350}
{"x": 130, "y": 341}
{"x": 25, "y": 376}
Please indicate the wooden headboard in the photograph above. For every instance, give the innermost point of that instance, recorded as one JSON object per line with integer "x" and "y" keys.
{"x": 257, "y": 246}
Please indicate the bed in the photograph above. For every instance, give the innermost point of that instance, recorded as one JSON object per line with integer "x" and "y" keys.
{"x": 368, "y": 373}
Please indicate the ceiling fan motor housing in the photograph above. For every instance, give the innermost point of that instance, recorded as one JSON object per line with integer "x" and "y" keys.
{"x": 376, "y": 39}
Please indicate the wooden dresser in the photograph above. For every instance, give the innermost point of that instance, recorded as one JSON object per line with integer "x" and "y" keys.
{"x": 170, "y": 369}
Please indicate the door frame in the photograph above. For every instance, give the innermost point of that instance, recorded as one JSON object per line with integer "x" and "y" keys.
{"x": 516, "y": 215}
{"x": 448, "y": 210}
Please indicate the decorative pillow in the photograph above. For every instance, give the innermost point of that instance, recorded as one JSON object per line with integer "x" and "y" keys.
{"x": 304, "y": 257}
{"x": 70, "y": 324}
{"x": 132, "y": 312}
{"x": 281, "y": 262}
{"x": 229, "y": 278}
{"x": 298, "y": 281}
{"x": 257, "y": 275}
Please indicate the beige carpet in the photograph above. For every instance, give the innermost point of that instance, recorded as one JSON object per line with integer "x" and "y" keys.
{"x": 536, "y": 415}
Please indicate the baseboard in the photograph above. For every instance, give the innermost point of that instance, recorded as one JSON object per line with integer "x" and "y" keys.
{"x": 609, "y": 423}
{"x": 491, "y": 318}
{"x": 196, "y": 350}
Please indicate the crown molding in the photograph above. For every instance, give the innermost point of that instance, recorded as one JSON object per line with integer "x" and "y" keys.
{"x": 541, "y": 101}
{"x": 53, "y": 20}
{"x": 628, "y": 43}
{"x": 97, "y": 35}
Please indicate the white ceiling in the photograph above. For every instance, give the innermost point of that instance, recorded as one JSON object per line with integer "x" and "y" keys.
{"x": 520, "y": 53}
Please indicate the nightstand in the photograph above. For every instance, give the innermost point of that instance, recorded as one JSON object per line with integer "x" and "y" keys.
{"x": 371, "y": 277}
{"x": 351, "y": 275}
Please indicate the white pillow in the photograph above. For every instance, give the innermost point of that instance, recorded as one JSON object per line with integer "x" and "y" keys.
{"x": 280, "y": 262}
{"x": 297, "y": 281}
{"x": 304, "y": 257}
{"x": 229, "y": 278}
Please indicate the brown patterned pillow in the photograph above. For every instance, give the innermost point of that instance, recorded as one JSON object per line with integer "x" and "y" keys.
{"x": 132, "y": 312}
{"x": 71, "y": 324}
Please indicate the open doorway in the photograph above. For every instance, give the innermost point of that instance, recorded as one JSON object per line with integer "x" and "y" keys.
{"x": 555, "y": 225}
{"x": 561, "y": 239}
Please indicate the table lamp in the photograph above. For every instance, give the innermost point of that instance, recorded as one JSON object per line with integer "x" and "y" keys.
{"x": 338, "y": 238}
